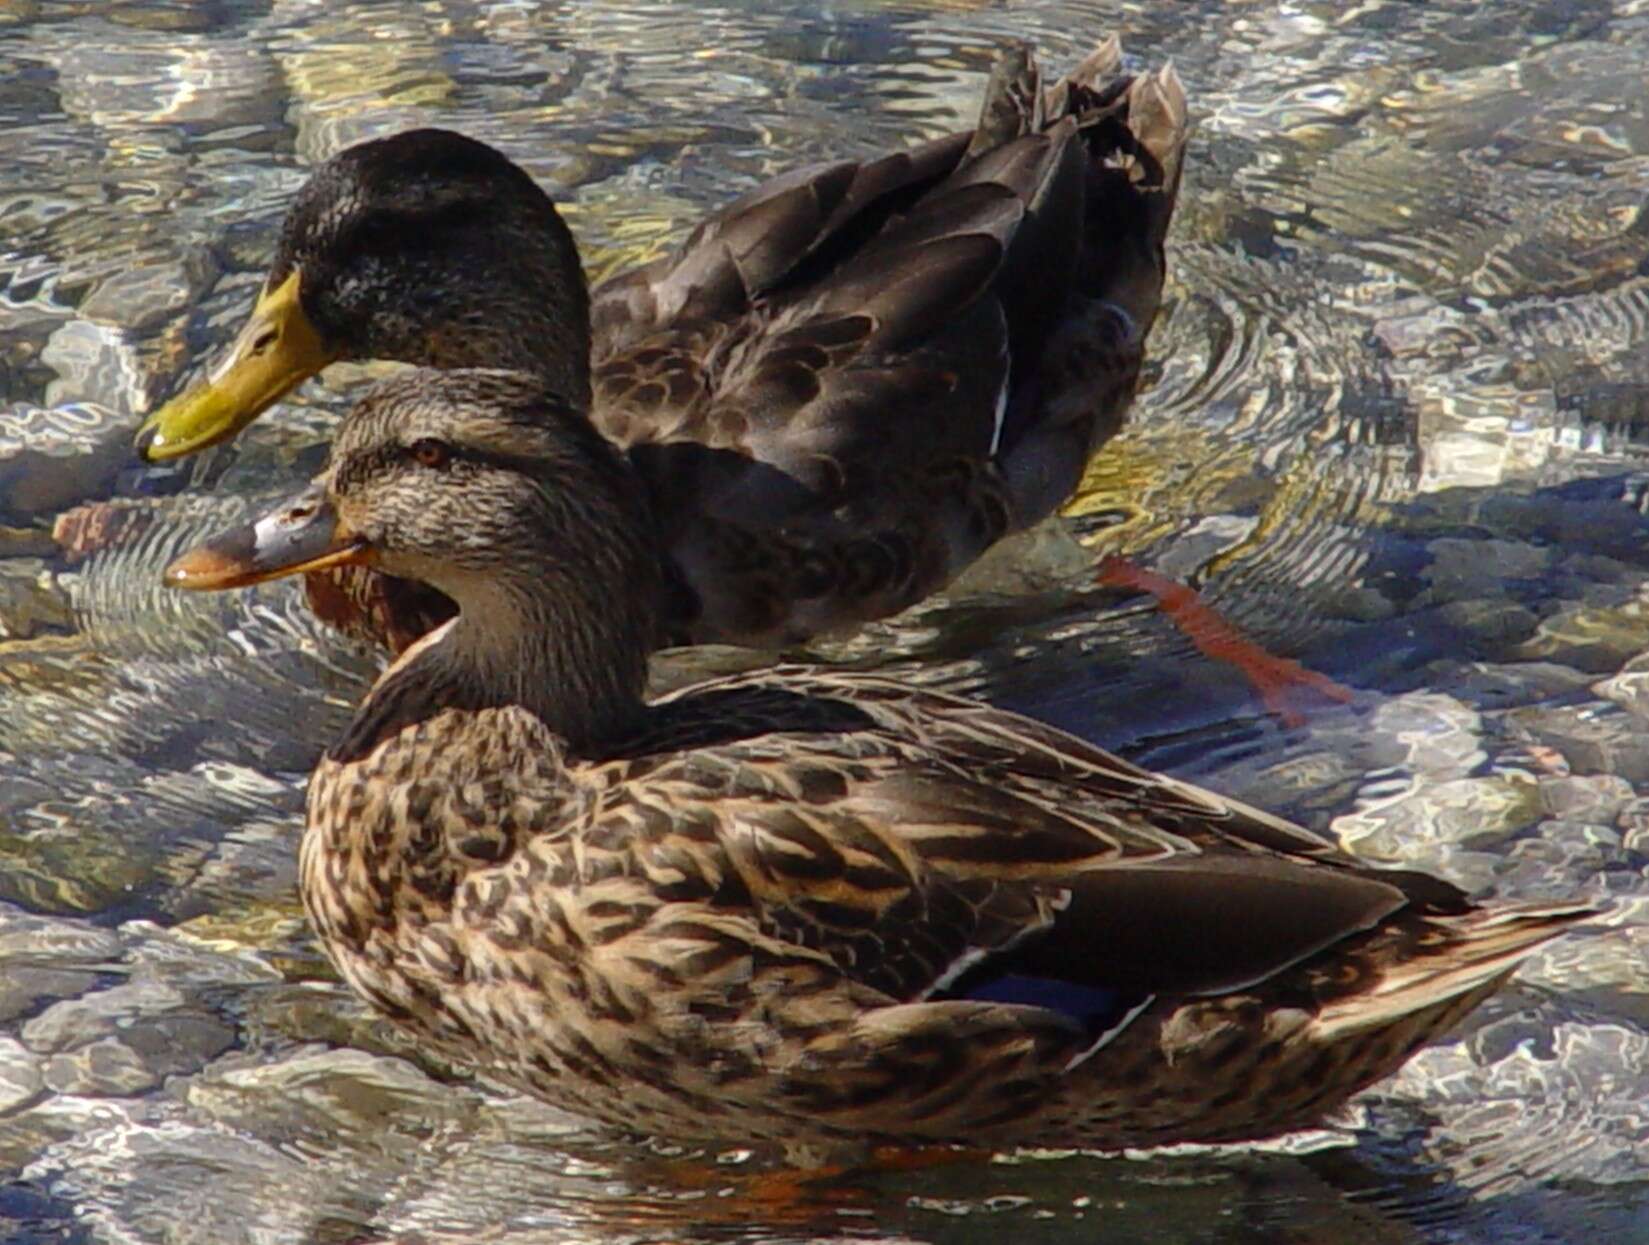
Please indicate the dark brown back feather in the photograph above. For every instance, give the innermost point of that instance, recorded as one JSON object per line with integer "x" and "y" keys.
{"x": 892, "y": 364}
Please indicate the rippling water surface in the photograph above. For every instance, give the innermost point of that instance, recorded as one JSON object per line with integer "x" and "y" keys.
{"x": 1394, "y": 428}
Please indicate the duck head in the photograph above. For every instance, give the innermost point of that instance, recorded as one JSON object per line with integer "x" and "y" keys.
{"x": 425, "y": 247}
{"x": 488, "y": 487}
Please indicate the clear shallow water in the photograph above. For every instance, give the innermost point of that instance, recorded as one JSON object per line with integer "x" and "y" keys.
{"x": 1394, "y": 430}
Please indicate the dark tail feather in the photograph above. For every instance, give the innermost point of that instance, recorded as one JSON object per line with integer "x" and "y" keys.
{"x": 1013, "y": 103}
{"x": 1135, "y": 130}
{"x": 1485, "y": 947}
{"x": 1129, "y": 135}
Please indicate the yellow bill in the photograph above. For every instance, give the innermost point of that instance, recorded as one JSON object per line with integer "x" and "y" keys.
{"x": 301, "y": 535}
{"x": 277, "y": 350}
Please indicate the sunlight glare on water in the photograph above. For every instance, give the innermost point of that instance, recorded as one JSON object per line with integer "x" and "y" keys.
{"x": 1393, "y": 426}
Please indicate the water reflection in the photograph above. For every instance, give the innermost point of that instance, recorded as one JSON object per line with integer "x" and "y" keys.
{"x": 1394, "y": 429}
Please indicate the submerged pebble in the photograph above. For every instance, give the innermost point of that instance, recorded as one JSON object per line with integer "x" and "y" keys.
{"x": 1412, "y": 825}
{"x": 21, "y": 1077}
{"x": 52, "y": 457}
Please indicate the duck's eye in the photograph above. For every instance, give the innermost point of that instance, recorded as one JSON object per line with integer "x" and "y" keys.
{"x": 431, "y": 453}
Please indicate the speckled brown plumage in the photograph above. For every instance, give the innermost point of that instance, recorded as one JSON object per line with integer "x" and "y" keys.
{"x": 738, "y": 941}
{"x": 813, "y": 909}
{"x": 840, "y": 389}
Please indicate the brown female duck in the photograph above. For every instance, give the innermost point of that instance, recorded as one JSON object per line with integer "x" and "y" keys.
{"x": 838, "y": 391}
{"x": 815, "y": 910}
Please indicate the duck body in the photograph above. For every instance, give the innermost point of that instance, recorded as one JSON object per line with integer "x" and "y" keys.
{"x": 819, "y": 910}
{"x": 847, "y": 386}
{"x": 830, "y": 912}
{"x": 839, "y": 390}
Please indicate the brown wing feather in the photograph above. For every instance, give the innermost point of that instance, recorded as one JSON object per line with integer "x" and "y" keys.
{"x": 909, "y": 836}
{"x": 755, "y": 244}
{"x": 847, "y": 385}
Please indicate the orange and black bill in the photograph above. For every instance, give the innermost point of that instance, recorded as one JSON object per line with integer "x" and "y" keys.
{"x": 303, "y": 534}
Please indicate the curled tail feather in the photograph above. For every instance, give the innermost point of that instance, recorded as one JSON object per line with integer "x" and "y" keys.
{"x": 1472, "y": 954}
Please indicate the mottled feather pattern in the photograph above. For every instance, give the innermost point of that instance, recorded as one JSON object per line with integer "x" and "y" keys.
{"x": 748, "y": 903}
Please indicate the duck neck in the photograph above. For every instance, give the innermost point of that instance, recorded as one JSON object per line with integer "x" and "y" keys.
{"x": 506, "y": 290}
{"x": 534, "y": 318}
{"x": 534, "y": 313}
{"x": 545, "y": 644}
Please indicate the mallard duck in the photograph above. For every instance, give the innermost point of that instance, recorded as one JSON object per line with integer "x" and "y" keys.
{"x": 821, "y": 910}
{"x": 838, "y": 391}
